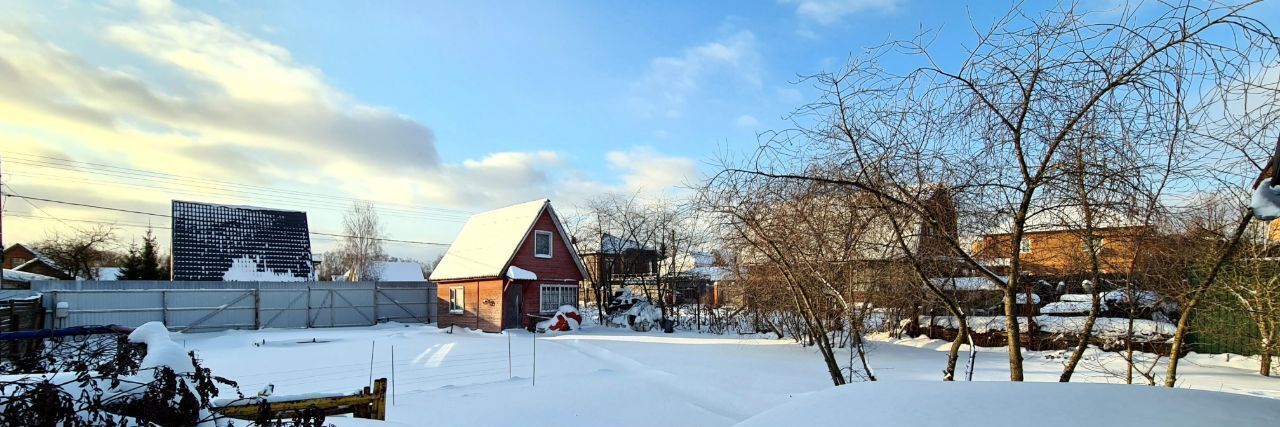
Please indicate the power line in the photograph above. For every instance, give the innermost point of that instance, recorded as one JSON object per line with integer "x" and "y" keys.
{"x": 49, "y": 160}
{"x": 85, "y": 205}
{"x": 264, "y": 199}
{"x": 202, "y": 190}
{"x": 152, "y": 176}
{"x": 24, "y": 199}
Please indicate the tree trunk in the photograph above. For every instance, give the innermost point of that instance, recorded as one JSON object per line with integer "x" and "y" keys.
{"x": 953, "y": 354}
{"x": 1184, "y": 320}
{"x": 1012, "y": 334}
{"x": 1083, "y": 343}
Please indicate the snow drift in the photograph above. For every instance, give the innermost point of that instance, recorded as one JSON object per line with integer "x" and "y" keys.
{"x": 1042, "y": 404}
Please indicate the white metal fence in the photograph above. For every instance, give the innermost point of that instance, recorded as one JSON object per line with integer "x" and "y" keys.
{"x": 209, "y": 306}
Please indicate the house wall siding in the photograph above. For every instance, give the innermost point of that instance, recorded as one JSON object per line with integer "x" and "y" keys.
{"x": 482, "y": 300}
{"x": 14, "y": 253}
{"x": 560, "y": 267}
{"x": 1063, "y": 252}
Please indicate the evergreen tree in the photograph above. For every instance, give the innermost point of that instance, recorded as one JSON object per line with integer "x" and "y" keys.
{"x": 143, "y": 263}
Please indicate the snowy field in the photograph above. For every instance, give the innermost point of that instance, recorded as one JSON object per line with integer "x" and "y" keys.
{"x": 606, "y": 376}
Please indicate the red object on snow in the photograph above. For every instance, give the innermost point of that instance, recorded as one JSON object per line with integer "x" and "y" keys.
{"x": 560, "y": 324}
{"x": 575, "y": 316}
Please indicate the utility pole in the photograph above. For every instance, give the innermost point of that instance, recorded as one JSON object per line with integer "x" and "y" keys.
{"x": 2, "y": 205}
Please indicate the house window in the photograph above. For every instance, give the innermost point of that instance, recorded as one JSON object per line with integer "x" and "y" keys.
{"x": 552, "y": 297}
{"x": 456, "y": 299}
{"x": 18, "y": 261}
{"x": 542, "y": 244}
{"x": 1024, "y": 246}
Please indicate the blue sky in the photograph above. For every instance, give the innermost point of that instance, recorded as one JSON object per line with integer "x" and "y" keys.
{"x": 462, "y": 106}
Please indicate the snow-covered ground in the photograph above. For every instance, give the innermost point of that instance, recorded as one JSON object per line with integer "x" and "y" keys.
{"x": 608, "y": 376}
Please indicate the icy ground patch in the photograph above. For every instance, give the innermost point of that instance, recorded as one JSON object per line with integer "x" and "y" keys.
{"x": 609, "y": 376}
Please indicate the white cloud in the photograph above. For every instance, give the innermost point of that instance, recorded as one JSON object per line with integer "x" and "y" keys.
{"x": 828, "y": 12}
{"x": 643, "y": 169}
{"x": 670, "y": 81}
{"x": 747, "y": 121}
{"x": 175, "y": 91}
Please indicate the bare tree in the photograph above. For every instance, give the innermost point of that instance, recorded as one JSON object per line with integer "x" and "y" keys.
{"x": 361, "y": 242}
{"x": 996, "y": 126}
{"x": 80, "y": 251}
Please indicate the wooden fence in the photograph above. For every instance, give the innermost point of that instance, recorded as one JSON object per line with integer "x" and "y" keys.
{"x": 20, "y": 315}
{"x": 367, "y": 403}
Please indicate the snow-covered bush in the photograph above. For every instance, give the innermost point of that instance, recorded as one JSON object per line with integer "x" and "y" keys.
{"x": 566, "y": 318}
{"x": 150, "y": 380}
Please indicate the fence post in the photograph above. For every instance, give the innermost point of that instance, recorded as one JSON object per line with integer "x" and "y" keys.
{"x": 308, "y": 306}
{"x": 257, "y": 305}
{"x": 164, "y": 307}
{"x": 375, "y": 303}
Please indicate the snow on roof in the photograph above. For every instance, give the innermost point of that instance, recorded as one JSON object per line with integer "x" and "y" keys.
{"x": 958, "y": 403}
{"x": 980, "y": 283}
{"x": 1067, "y": 307}
{"x": 489, "y": 241}
{"x": 399, "y": 271}
{"x": 252, "y": 269}
{"x": 22, "y": 276}
{"x": 518, "y": 273}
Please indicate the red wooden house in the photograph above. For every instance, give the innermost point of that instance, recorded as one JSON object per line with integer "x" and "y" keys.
{"x": 507, "y": 266}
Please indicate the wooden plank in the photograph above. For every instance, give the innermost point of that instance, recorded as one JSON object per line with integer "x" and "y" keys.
{"x": 367, "y": 403}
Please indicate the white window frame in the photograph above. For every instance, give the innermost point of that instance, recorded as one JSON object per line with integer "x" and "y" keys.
{"x": 458, "y": 299}
{"x": 1024, "y": 246}
{"x": 560, "y": 297}
{"x": 18, "y": 261}
{"x": 550, "y": 243}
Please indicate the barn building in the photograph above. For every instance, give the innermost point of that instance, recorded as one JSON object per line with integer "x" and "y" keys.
{"x": 507, "y": 267}
{"x": 239, "y": 243}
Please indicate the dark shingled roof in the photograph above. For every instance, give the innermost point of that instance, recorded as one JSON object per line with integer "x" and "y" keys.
{"x": 208, "y": 237}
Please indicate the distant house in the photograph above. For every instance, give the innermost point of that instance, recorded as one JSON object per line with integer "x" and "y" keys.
{"x": 697, "y": 278}
{"x": 1064, "y": 251}
{"x": 613, "y": 261}
{"x": 22, "y": 258}
{"x": 108, "y": 273}
{"x": 506, "y": 267}
{"x": 239, "y": 243}
{"x": 391, "y": 271}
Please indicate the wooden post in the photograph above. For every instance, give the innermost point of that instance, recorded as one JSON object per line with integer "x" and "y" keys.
{"x": 393, "y": 375}
{"x": 380, "y": 399}
{"x": 535, "y": 357}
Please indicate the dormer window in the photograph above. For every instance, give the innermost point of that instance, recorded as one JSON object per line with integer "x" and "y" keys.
{"x": 542, "y": 244}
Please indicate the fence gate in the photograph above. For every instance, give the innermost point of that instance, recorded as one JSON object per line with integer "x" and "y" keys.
{"x": 211, "y": 306}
